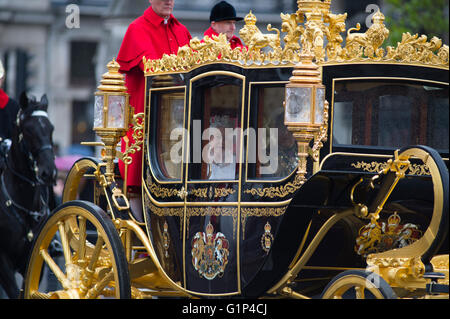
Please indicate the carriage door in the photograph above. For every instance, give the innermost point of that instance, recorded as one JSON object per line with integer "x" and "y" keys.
{"x": 163, "y": 172}
{"x": 212, "y": 183}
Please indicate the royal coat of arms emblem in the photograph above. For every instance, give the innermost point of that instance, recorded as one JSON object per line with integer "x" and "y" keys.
{"x": 267, "y": 238}
{"x": 166, "y": 239}
{"x": 378, "y": 237}
{"x": 210, "y": 253}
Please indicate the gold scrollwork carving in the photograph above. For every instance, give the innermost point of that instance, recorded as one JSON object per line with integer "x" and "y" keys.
{"x": 138, "y": 138}
{"x": 164, "y": 211}
{"x": 322, "y": 135}
{"x": 199, "y": 192}
{"x": 372, "y": 167}
{"x": 333, "y": 33}
{"x": 279, "y": 191}
{"x": 406, "y": 273}
{"x": 290, "y": 25}
{"x": 212, "y": 211}
{"x": 376, "y": 167}
{"x": 208, "y": 192}
{"x": 223, "y": 192}
{"x": 162, "y": 192}
{"x": 416, "y": 169}
{"x": 317, "y": 30}
{"x": 157, "y": 190}
{"x": 413, "y": 48}
{"x": 260, "y": 212}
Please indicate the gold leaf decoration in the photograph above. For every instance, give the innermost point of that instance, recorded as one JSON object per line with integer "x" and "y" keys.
{"x": 413, "y": 48}
{"x": 260, "y": 212}
{"x": 376, "y": 167}
{"x": 213, "y": 211}
{"x": 208, "y": 193}
{"x": 279, "y": 191}
{"x": 313, "y": 27}
{"x": 138, "y": 138}
{"x": 162, "y": 192}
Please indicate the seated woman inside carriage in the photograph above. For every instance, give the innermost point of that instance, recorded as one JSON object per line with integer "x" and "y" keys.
{"x": 220, "y": 152}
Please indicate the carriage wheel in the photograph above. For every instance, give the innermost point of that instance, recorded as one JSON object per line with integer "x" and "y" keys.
{"x": 358, "y": 284}
{"x": 93, "y": 264}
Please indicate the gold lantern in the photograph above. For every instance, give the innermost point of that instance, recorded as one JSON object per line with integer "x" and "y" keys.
{"x": 111, "y": 114}
{"x": 305, "y": 107}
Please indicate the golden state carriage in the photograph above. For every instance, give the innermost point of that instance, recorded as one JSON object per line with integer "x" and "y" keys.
{"x": 317, "y": 192}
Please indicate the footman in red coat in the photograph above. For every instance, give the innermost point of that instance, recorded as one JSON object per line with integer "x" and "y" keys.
{"x": 153, "y": 34}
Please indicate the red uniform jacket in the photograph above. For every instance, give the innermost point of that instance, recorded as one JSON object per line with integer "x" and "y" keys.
{"x": 8, "y": 114}
{"x": 235, "y": 42}
{"x": 4, "y": 98}
{"x": 149, "y": 36}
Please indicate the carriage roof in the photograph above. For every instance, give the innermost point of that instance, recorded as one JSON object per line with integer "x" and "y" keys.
{"x": 321, "y": 33}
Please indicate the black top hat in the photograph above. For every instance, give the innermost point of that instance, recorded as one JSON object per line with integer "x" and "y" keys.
{"x": 223, "y": 11}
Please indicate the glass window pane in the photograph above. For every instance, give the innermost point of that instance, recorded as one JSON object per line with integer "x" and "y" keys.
{"x": 98, "y": 111}
{"x": 116, "y": 111}
{"x": 390, "y": 114}
{"x": 222, "y": 132}
{"x": 394, "y": 120}
{"x": 215, "y": 128}
{"x": 170, "y": 134}
{"x": 342, "y": 124}
{"x": 320, "y": 100}
{"x": 438, "y": 121}
{"x": 298, "y": 104}
{"x": 272, "y": 150}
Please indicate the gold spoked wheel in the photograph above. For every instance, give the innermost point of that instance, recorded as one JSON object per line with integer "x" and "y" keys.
{"x": 358, "y": 284}
{"x": 92, "y": 263}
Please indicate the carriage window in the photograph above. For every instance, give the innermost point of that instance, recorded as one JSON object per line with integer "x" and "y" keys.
{"x": 272, "y": 151}
{"x": 438, "y": 122}
{"x": 390, "y": 115}
{"x": 215, "y": 128}
{"x": 170, "y": 106}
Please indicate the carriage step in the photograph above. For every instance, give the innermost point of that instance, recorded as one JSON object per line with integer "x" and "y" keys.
{"x": 434, "y": 276}
{"x": 433, "y": 288}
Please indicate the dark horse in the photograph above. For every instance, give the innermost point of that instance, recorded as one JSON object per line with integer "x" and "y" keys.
{"x": 26, "y": 188}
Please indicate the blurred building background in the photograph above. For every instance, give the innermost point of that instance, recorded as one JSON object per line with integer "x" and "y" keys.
{"x": 45, "y": 51}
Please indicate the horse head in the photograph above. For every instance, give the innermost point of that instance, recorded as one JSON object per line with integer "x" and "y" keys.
{"x": 35, "y": 138}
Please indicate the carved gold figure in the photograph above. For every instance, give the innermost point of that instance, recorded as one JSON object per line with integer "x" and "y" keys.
{"x": 255, "y": 39}
{"x": 311, "y": 27}
{"x": 368, "y": 43}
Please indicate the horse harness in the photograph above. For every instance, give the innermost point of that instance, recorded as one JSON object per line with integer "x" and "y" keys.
{"x": 7, "y": 202}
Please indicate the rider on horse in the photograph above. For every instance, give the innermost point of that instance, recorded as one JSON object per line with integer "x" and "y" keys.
{"x": 8, "y": 113}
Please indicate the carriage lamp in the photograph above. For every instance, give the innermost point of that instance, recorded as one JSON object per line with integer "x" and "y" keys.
{"x": 306, "y": 111}
{"x": 111, "y": 114}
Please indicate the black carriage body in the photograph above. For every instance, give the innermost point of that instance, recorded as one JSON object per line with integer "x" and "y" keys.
{"x": 240, "y": 230}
